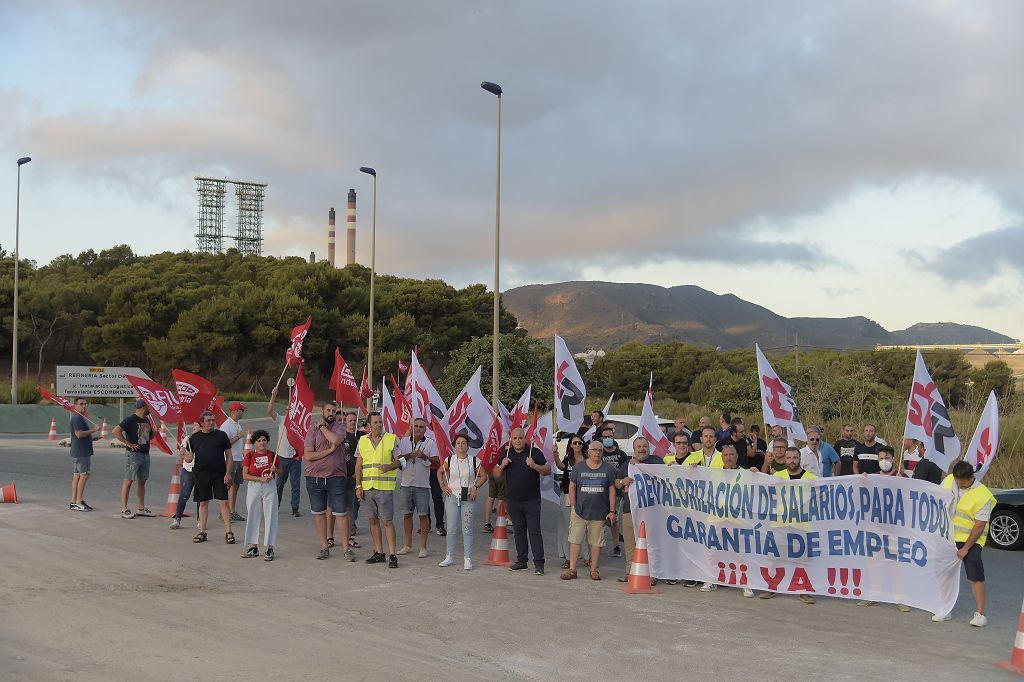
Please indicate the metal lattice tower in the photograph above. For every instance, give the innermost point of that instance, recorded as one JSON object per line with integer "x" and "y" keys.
{"x": 210, "y": 231}
{"x": 210, "y": 228}
{"x": 249, "y": 240}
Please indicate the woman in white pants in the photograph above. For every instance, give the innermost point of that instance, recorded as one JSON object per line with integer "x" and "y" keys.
{"x": 260, "y": 467}
{"x": 460, "y": 477}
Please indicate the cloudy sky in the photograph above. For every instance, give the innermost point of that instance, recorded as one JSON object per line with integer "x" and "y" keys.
{"x": 818, "y": 158}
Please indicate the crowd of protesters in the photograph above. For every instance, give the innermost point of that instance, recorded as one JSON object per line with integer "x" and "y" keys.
{"x": 346, "y": 472}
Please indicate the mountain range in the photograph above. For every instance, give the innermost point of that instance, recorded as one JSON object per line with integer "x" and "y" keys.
{"x": 605, "y": 315}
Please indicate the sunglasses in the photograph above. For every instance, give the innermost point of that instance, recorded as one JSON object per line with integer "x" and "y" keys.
{"x": 813, "y": 440}
{"x": 576, "y": 442}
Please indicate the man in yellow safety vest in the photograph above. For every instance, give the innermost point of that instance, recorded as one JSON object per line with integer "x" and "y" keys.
{"x": 376, "y": 466}
{"x": 974, "y": 503}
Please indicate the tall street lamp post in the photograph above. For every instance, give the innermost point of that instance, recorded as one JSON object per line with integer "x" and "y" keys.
{"x": 17, "y": 233}
{"x": 373, "y": 270}
{"x": 495, "y": 90}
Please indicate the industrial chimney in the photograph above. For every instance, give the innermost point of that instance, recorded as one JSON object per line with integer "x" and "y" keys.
{"x": 350, "y": 237}
{"x": 330, "y": 237}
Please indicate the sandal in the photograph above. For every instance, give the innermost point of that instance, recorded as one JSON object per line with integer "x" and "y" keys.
{"x": 353, "y": 544}
{"x": 229, "y": 538}
{"x": 595, "y": 574}
{"x": 586, "y": 562}
{"x": 565, "y": 564}
{"x": 330, "y": 543}
{"x": 200, "y": 537}
{"x": 569, "y": 574}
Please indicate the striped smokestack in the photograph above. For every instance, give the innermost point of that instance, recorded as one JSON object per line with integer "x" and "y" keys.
{"x": 330, "y": 236}
{"x": 350, "y": 241}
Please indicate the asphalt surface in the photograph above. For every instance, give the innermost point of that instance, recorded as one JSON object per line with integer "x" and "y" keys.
{"x": 91, "y": 596}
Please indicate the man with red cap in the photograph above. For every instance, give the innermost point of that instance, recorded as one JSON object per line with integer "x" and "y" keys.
{"x": 236, "y": 436}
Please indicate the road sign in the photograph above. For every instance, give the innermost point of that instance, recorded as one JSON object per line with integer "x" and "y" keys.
{"x": 96, "y": 382}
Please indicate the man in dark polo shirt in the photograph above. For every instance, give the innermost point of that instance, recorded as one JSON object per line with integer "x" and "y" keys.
{"x": 521, "y": 469}
{"x": 211, "y": 474}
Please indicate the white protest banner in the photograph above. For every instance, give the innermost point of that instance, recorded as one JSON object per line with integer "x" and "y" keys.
{"x": 879, "y": 538}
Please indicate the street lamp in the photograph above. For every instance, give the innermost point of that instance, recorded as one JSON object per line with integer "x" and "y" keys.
{"x": 373, "y": 269}
{"x": 17, "y": 230}
{"x": 495, "y": 90}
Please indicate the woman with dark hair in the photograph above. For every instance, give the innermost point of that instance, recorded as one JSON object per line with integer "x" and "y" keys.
{"x": 461, "y": 476}
{"x": 260, "y": 467}
{"x": 574, "y": 454}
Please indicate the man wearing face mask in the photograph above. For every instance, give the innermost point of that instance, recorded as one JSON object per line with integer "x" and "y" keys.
{"x": 614, "y": 456}
{"x": 135, "y": 432}
{"x": 924, "y": 469}
{"x": 974, "y": 504}
{"x": 641, "y": 450}
{"x": 886, "y": 467}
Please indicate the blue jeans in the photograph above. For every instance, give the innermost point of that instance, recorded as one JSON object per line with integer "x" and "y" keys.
{"x": 187, "y": 483}
{"x": 455, "y": 514}
{"x": 293, "y": 468}
{"x": 324, "y": 491}
{"x": 353, "y": 501}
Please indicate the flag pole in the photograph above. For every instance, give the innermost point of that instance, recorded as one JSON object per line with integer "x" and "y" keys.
{"x": 278, "y": 384}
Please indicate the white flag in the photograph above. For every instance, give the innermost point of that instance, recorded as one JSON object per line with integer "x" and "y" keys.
{"x": 426, "y": 401}
{"x": 472, "y": 413}
{"x": 777, "y": 399}
{"x": 539, "y": 436}
{"x": 388, "y": 413}
{"x": 982, "y": 450}
{"x": 520, "y": 415}
{"x": 570, "y": 392}
{"x": 504, "y": 416}
{"x": 608, "y": 405}
{"x": 649, "y": 429}
{"x": 928, "y": 420}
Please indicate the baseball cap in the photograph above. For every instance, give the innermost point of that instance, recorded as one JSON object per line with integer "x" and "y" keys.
{"x": 236, "y": 406}
{"x": 139, "y": 402}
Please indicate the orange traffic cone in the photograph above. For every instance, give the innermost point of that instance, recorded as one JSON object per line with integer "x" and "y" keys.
{"x": 498, "y": 556}
{"x": 8, "y": 493}
{"x": 640, "y": 570}
{"x": 52, "y": 435}
{"x": 1016, "y": 662}
{"x": 248, "y": 442}
{"x": 173, "y": 493}
{"x": 103, "y": 430}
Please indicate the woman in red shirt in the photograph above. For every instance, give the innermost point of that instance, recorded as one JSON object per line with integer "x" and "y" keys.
{"x": 260, "y": 467}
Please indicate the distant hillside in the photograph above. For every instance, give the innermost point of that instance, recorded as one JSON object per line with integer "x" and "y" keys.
{"x": 607, "y": 315}
{"x": 948, "y": 332}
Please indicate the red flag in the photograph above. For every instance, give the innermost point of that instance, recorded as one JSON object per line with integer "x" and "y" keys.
{"x": 343, "y": 383}
{"x": 161, "y": 401}
{"x": 294, "y": 353}
{"x": 63, "y": 402}
{"x": 300, "y": 412}
{"x": 489, "y": 453}
{"x": 192, "y": 387}
{"x": 364, "y": 387}
{"x": 156, "y": 439}
{"x": 199, "y": 403}
{"x": 403, "y": 412}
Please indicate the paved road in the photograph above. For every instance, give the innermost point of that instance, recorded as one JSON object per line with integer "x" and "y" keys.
{"x": 91, "y": 596}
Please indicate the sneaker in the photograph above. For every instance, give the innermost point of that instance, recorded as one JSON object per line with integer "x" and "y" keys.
{"x": 78, "y": 507}
{"x": 423, "y": 553}
{"x": 350, "y": 556}
{"x": 403, "y": 551}
{"x": 708, "y": 587}
{"x": 942, "y": 619}
{"x": 125, "y": 513}
{"x": 447, "y": 561}
{"x": 539, "y": 570}
{"x": 671, "y": 582}
{"x": 144, "y": 511}
{"x": 235, "y": 516}
{"x": 518, "y": 566}
{"x": 488, "y": 528}
{"x": 324, "y": 553}
{"x": 467, "y": 564}
{"x": 616, "y": 551}
{"x": 376, "y": 558}
{"x": 250, "y": 553}
{"x": 867, "y": 602}
{"x": 393, "y": 561}
{"x": 295, "y": 512}
{"x": 979, "y": 620}
{"x": 269, "y": 554}
{"x": 806, "y": 599}
{"x": 442, "y": 532}
{"x": 748, "y": 593}
{"x": 767, "y": 595}
{"x": 175, "y": 524}
{"x": 689, "y": 583}
{"x": 85, "y": 505}
{"x": 72, "y": 506}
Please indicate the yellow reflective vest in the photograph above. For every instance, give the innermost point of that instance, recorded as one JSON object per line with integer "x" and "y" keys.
{"x": 970, "y": 503}
{"x": 784, "y": 473}
{"x": 372, "y": 457}
{"x": 697, "y": 459}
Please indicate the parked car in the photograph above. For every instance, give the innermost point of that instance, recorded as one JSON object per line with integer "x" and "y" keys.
{"x": 626, "y": 428}
{"x": 1006, "y": 527}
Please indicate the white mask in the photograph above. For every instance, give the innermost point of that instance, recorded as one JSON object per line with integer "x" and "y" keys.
{"x": 885, "y": 464}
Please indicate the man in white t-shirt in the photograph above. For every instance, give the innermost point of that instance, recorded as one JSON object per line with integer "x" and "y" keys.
{"x": 233, "y": 429}
{"x": 291, "y": 465}
{"x": 810, "y": 454}
{"x": 417, "y": 454}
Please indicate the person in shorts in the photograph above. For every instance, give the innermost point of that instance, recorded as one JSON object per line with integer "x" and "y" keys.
{"x": 592, "y": 486}
{"x": 496, "y": 492}
{"x": 81, "y": 455}
{"x": 376, "y": 476}
{"x": 326, "y": 453}
{"x": 210, "y": 451}
{"x": 232, "y": 428}
{"x": 135, "y": 432}
{"x": 419, "y": 453}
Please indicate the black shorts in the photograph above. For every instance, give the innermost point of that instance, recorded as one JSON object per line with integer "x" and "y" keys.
{"x": 972, "y": 563}
{"x": 209, "y": 485}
